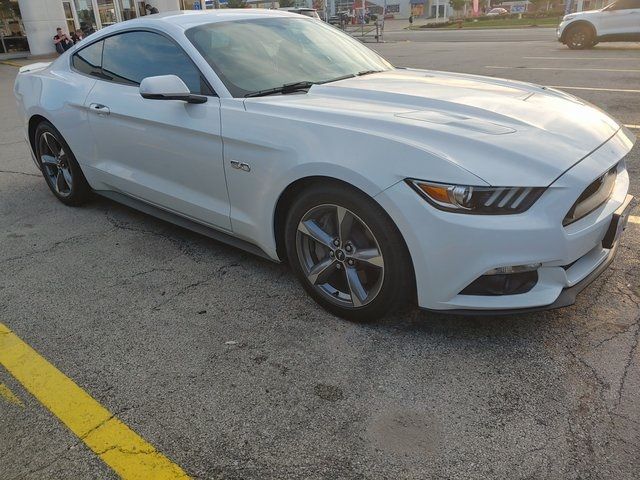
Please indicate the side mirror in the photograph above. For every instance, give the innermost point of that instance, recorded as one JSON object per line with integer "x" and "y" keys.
{"x": 168, "y": 87}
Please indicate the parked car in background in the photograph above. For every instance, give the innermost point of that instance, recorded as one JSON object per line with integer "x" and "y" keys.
{"x": 381, "y": 187}
{"x": 307, "y": 12}
{"x": 340, "y": 18}
{"x": 497, "y": 12}
{"x": 617, "y": 22}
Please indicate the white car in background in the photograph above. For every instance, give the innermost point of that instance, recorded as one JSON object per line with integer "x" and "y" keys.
{"x": 617, "y": 22}
{"x": 497, "y": 12}
{"x": 379, "y": 185}
{"x": 307, "y": 12}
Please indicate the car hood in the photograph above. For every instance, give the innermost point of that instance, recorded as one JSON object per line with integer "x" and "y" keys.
{"x": 584, "y": 13}
{"x": 503, "y": 131}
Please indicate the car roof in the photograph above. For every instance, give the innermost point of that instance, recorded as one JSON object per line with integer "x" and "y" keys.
{"x": 185, "y": 19}
{"x": 190, "y": 18}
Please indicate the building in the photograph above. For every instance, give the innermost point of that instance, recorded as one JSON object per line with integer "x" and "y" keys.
{"x": 28, "y": 26}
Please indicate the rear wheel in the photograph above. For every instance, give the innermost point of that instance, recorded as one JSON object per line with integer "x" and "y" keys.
{"x": 59, "y": 167}
{"x": 579, "y": 37}
{"x": 348, "y": 254}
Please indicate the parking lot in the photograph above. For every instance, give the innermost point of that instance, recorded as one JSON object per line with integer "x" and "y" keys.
{"x": 220, "y": 361}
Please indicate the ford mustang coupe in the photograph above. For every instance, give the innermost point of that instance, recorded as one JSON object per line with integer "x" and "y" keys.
{"x": 381, "y": 186}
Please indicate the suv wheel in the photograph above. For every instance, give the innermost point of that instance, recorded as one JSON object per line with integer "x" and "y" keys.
{"x": 579, "y": 37}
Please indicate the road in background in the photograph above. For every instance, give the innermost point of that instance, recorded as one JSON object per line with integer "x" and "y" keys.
{"x": 220, "y": 360}
{"x": 395, "y": 32}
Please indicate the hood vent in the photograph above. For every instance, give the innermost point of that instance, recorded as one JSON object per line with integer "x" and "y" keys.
{"x": 457, "y": 121}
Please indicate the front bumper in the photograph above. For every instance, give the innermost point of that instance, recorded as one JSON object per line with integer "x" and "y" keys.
{"x": 449, "y": 251}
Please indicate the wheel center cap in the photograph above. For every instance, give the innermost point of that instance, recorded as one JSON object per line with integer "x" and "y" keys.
{"x": 340, "y": 255}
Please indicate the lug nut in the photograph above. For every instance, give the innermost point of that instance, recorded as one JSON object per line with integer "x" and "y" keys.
{"x": 331, "y": 254}
{"x": 336, "y": 242}
{"x": 348, "y": 248}
{"x": 338, "y": 266}
{"x": 350, "y": 261}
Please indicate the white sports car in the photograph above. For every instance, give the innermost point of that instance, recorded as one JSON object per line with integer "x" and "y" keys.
{"x": 380, "y": 186}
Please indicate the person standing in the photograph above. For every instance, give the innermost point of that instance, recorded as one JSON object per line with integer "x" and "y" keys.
{"x": 150, "y": 9}
{"x": 61, "y": 41}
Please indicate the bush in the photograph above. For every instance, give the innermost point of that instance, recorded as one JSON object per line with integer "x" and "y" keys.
{"x": 438, "y": 25}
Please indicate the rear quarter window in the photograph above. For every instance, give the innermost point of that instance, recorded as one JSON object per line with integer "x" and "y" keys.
{"x": 89, "y": 59}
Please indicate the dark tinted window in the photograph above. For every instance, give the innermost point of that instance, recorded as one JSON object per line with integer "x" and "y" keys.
{"x": 132, "y": 56}
{"x": 89, "y": 59}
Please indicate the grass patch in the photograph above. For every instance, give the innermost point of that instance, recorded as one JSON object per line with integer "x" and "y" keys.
{"x": 498, "y": 23}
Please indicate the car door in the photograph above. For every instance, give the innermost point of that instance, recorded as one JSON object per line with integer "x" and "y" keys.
{"x": 621, "y": 18}
{"x": 164, "y": 152}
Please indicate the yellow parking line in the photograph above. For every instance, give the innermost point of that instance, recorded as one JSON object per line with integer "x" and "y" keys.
{"x": 9, "y": 396}
{"x": 634, "y": 219}
{"x": 10, "y": 63}
{"x": 633, "y": 127}
{"x": 122, "y": 449}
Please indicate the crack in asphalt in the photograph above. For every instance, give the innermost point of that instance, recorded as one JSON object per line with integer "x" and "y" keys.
{"x": 183, "y": 291}
{"x": 630, "y": 356}
{"x": 52, "y": 247}
{"x": 21, "y": 173}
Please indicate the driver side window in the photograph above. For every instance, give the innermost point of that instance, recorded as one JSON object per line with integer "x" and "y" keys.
{"x": 130, "y": 57}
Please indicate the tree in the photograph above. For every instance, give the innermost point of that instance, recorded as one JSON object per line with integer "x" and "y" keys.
{"x": 539, "y": 5}
{"x": 286, "y": 3}
{"x": 236, "y": 4}
{"x": 457, "y": 5}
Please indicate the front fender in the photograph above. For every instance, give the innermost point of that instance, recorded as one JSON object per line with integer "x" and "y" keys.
{"x": 282, "y": 149}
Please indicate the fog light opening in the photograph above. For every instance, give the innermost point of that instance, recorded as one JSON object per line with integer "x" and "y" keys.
{"x": 504, "y": 281}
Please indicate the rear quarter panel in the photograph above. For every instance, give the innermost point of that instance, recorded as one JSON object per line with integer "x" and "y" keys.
{"x": 57, "y": 94}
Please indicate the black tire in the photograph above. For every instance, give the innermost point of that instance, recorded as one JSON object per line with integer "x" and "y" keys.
{"x": 57, "y": 160}
{"x": 579, "y": 37}
{"x": 393, "y": 283}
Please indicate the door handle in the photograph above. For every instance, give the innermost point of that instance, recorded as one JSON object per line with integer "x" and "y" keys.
{"x": 99, "y": 109}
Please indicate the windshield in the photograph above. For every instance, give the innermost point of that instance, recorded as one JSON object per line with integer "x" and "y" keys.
{"x": 259, "y": 54}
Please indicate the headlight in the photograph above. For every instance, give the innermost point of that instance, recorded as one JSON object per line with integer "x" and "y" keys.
{"x": 477, "y": 200}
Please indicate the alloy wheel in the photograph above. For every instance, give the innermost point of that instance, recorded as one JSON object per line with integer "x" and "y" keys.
{"x": 55, "y": 163}
{"x": 578, "y": 38}
{"x": 340, "y": 256}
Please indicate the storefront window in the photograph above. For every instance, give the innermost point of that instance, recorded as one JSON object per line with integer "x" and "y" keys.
{"x": 86, "y": 17}
{"x": 128, "y": 9}
{"x": 12, "y": 36}
{"x": 107, "y": 11}
{"x": 68, "y": 15}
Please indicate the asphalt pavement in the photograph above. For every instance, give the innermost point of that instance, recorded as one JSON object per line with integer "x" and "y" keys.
{"x": 219, "y": 359}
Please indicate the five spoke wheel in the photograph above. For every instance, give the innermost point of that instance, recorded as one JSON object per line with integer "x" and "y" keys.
{"x": 340, "y": 256}
{"x": 55, "y": 163}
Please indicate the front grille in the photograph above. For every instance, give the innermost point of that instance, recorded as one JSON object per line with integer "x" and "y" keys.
{"x": 592, "y": 197}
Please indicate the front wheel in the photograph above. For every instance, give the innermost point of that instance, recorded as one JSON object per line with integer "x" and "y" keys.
{"x": 579, "y": 38}
{"x": 347, "y": 253}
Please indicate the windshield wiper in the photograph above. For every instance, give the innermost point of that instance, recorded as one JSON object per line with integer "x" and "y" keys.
{"x": 367, "y": 72}
{"x": 304, "y": 85}
{"x": 284, "y": 89}
{"x": 351, "y": 75}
